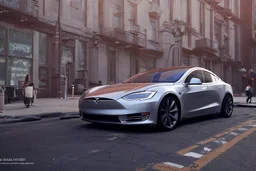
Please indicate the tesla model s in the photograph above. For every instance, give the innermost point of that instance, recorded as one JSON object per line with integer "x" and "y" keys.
{"x": 161, "y": 97}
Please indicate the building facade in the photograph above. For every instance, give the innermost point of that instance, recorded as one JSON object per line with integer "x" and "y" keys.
{"x": 136, "y": 35}
{"x": 110, "y": 40}
{"x": 248, "y": 35}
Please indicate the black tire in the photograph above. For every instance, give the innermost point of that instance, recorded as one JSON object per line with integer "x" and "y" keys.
{"x": 168, "y": 114}
{"x": 227, "y": 106}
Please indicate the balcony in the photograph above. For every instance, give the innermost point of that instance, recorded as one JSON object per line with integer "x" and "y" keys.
{"x": 206, "y": 46}
{"x": 155, "y": 10}
{"x": 128, "y": 36}
{"x": 28, "y": 7}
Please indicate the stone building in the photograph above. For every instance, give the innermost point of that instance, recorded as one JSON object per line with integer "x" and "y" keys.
{"x": 110, "y": 40}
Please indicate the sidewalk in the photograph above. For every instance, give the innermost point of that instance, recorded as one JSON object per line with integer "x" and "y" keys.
{"x": 241, "y": 102}
{"x": 42, "y": 108}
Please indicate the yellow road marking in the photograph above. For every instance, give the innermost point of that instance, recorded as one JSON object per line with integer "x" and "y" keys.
{"x": 203, "y": 161}
{"x": 164, "y": 167}
{"x": 225, "y": 132}
{"x": 212, "y": 155}
{"x": 184, "y": 151}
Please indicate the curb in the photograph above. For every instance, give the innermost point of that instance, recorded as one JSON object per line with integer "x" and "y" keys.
{"x": 22, "y": 119}
{"x": 244, "y": 106}
{"x": 35, "y": 117}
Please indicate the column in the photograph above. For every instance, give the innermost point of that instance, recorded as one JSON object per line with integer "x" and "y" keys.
{"x": 36, "y": 58}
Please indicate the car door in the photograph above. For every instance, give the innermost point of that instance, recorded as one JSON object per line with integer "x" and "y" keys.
{"x": 193, "y": 97}
{"x": 213, "y": 99}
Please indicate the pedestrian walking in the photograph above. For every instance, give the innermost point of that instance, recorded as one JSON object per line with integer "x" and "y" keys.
{"x": 27, "y": 83}
{"x": 249, "y": 93}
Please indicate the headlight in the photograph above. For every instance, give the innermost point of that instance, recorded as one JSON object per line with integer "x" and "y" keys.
{"x": 84, "y": 94}
{"x": 140, "y": 95}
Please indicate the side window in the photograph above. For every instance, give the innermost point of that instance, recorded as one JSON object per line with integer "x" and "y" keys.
{"x": 207, "y": 77}
{"x": 194, "y": 74}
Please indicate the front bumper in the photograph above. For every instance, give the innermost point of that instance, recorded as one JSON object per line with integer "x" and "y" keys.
{"x": 119, "y": 111}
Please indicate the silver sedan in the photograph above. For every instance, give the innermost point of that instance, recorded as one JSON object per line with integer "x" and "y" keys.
{"x": 161, "y": 97}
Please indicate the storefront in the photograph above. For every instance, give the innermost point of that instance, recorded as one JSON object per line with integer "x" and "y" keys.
{"x": 16, "y": 49}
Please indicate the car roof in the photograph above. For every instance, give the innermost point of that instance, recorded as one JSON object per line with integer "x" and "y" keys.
{"x": 168, "y": 69}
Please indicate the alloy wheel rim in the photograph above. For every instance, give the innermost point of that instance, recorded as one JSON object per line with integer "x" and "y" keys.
{"x": 169, "y": 113}
{"x": 229, "y": 107}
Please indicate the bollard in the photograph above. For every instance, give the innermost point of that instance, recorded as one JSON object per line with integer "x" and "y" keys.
{"x": 2, "y": 90}
{"x": 66, "y": 88}
{"x": 73, "y": 90}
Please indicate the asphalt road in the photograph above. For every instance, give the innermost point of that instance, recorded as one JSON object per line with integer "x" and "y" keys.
{"x": 61, "y": 145}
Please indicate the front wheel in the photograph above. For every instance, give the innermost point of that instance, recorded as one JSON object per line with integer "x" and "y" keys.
{"x": 168, "y": 113}
{"x": 227, "y": 106}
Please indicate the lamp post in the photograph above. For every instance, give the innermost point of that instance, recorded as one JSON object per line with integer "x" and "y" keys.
{"x": 58, "y": 50}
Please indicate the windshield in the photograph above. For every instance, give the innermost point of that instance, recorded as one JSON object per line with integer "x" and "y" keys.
{"x": 169, "y": 76}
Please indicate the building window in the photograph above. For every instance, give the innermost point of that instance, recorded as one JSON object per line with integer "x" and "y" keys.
{"x": 2, "y": 70}
{"x": 133, "y": 64}
{"x": 101, "y": 14}
{"x": 185, "y": 59}
{"x": 132, "y": 9}
{"x": 18, "y": 68}
{"x": 202, "y": 18}
{"x": 19, "y": 62}
{"x": 111, "y": 55}
{"x": 217, "y": 31}
{"x": 43, "y": 61}
{"x": 142, "y": 65}
{"x": 20, "y": 44}
{"x": 2, "y": 40}
{"x": 236, "y": 7}
{"x": 54, "y": 5}
{"x": 117, "y": 21}
{"x": 77, "y": 10}
{"x": 226, "y": 39}
{"x": 153, "y": 22}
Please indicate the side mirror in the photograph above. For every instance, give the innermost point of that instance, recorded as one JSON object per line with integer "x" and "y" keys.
{"x": 194, "y": 81}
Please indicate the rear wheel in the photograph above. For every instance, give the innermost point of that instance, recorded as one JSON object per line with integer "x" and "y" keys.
{"x": 227, "y": 106}
{"x": 168, "y": 113}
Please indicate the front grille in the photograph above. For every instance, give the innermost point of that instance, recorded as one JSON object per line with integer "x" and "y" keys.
{"x": 101, "y": 103}
{"x": 101, "y": 118}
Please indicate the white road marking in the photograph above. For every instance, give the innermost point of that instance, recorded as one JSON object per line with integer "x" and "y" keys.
{"x": 242, "y": 129}
{"x": 220, "y": 141}
{"x": 234, "y": 133}
{"x": 111, "y": 135}
{"x": 173, "y": 165}
{"x": 194, "y": 155}
{"x": 113, "y": 138}
{"x": 95, "y": 151}
{"x": 207, "y": 149}
{"x": 253, "y": 125}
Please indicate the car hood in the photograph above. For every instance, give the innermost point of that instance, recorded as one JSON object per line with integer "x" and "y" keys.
{"x": 117, "y": 91}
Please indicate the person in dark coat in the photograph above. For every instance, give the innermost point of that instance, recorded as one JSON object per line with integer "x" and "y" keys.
{"x": 249, "y": 93}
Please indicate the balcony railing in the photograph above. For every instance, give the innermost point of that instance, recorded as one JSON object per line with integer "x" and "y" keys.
{"x": 125, "y": 35}
{"x": 29, "y": 7}
{"x": 206, "y": 44}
